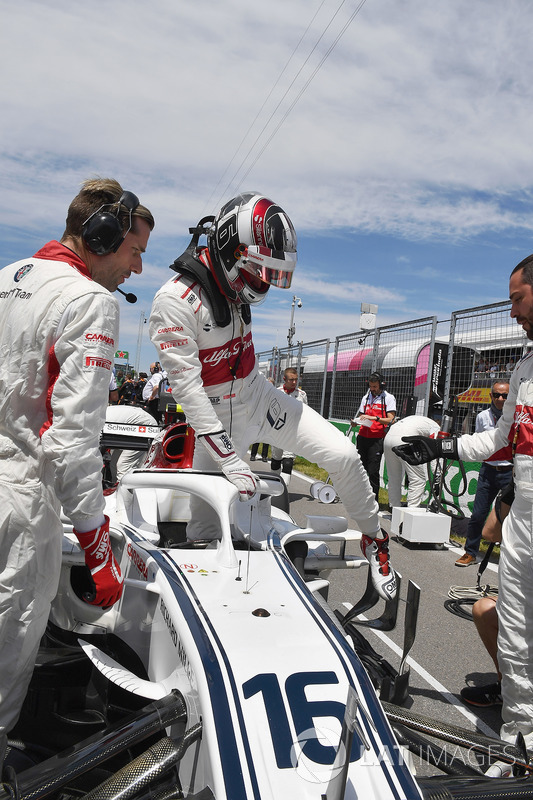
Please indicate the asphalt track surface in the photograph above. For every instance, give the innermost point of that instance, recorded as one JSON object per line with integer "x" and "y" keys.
{"x": 447, "y": 653}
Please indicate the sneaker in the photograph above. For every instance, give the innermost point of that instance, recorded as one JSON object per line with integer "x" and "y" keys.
{"x": 252, "y": 458}
{"x": 376, "y": 552}
{"x": 482, "y": 696}
{"x": 465, "y": 560}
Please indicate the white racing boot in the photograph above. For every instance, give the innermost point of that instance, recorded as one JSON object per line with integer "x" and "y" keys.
{"x": 376, "y": 552}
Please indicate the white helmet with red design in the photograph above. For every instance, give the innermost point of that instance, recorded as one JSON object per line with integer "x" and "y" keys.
{"x": 252, "y": 244}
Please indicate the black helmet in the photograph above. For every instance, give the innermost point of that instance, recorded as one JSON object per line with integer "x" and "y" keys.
{"x": 252, "y": 244}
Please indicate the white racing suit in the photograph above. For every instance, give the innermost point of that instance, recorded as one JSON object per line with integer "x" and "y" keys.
{"x": 300, "y": 395}
{"x": 396, "y": 467}
{"x": 515, "y": 596}
{"x": 58, "y": 332}
{"x": 199, "y": 358}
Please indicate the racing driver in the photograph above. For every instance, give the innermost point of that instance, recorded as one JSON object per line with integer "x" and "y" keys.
{"x": 58, "y": 334}
{"x": 201, "y": 325}
{"x": 515, "y": 596}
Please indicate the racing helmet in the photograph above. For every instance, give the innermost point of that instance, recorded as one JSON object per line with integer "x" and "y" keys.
{"x": 252, "y": 246}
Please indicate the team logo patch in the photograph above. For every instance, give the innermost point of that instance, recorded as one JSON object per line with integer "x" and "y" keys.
{"x": 173, "y": 329}
{"x": 22, "y": 271}
{"x": 99, "y": 338}
{"x": 94, "y": 361}
{"x": 173, "y": 343}
{"x": 274, "y": 416}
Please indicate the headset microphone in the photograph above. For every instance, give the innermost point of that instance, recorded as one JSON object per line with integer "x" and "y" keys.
{"x": 130, "y": 297}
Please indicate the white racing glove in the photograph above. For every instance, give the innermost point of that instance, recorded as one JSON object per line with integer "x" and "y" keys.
{"x": 220, "y": 448}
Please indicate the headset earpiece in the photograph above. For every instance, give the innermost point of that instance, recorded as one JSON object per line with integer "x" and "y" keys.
{"x": 102, "y": 232}
{"x": 377, "y": 377}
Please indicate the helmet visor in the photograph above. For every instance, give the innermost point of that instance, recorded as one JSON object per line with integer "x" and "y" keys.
{"x": 274, "y": 267}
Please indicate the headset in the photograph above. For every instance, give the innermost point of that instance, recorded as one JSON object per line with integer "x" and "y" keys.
{"x": 377, "y": 377}
{"x": 102, "y": 232}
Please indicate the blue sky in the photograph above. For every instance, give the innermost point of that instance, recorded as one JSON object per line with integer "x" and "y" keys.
{"x": 397, "y": 136}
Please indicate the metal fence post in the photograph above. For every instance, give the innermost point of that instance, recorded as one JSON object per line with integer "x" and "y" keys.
{"x": 324, "y": 380}
{"x": 332, "y": 391}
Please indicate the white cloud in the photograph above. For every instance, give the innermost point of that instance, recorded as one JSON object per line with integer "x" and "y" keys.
{"x": 418, "y": 106}
{"x": 417, "y": 126}
{"x": 333, "y": 290}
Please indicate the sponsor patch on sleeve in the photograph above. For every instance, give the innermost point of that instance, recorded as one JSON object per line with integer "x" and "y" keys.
{"x": 97, "y": 362}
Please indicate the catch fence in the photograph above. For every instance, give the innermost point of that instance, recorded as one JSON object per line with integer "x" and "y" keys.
{"x": 425, "y": 363}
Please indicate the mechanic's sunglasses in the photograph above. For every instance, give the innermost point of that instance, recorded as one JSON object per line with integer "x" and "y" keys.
{"x": 499, "y": 394}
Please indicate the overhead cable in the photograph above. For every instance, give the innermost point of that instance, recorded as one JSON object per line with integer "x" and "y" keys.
{"x": 233, "y": 179}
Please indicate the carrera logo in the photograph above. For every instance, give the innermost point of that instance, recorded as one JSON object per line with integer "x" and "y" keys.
{"x": 174, "y": 329}
{"x": 99, "y": 337}
{"x": 22, "y": 271}
{"x": 94, "y": 361}
{"x": 174, "y": 343}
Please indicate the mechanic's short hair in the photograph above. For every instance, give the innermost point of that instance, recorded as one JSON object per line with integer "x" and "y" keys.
{"x": 290, "y": 370}
{"x": 527, "y": 270}
{"x": 94, "y": 193}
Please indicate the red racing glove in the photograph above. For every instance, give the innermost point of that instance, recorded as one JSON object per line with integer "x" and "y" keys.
{"x": 105, "y": 571}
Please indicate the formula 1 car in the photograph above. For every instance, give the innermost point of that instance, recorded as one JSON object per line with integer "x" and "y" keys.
{"x": 222, "y": 673}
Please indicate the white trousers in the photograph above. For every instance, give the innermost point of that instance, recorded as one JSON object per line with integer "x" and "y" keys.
{"x": 515, "y": 621}
{"x": 264, "y": 414}
{"x": 396, "y": 470}
{"x": 30, "y": 562}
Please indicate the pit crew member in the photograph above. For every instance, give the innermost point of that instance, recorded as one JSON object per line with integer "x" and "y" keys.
{"x": 515, "y": 597}
{"x": 58, "y": 334}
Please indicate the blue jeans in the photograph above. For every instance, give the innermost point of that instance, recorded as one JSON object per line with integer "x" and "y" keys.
{"x": 489, "y": 483}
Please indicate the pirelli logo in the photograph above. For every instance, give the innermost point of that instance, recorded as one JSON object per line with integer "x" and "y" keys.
{"x": 94, "y": 361}
{"x": 173, "y": 343}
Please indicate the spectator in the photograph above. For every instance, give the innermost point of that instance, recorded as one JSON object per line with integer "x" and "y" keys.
{"x": 151, "y": 390}
{"x": 376, "y": 412}
{"x": 494, "y": 474}
{"x": 396, "y": 467}
{"x": 255, "y": 449}
{"x": 282, "y": 460}
{"x": 59, "y": 320}
{"x": 140, "y": 383}
{"x": 126, "y": 393}
{"x": 113, "y": 391}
